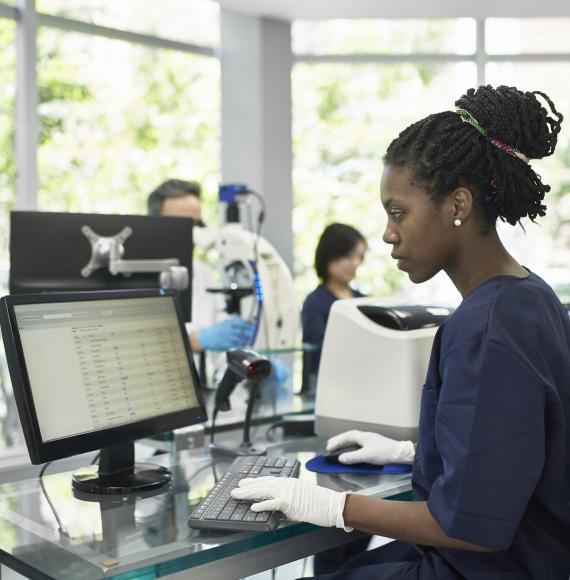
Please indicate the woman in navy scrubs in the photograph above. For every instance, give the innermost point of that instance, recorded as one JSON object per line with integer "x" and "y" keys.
{"x": 339, "y": 253}
{"x": 491, "y": 471}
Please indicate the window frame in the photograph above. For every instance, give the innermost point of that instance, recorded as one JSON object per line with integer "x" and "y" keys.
{"x": 14, "y": 462}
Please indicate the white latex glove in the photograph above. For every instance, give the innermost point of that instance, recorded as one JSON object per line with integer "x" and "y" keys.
{"x": 298, "y": 500}
{"x": 375, "y": 448}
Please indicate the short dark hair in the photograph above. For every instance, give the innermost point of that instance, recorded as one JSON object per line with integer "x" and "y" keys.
{"x": 336, "y": 241}
{"x": 169, "y": 189}
{"x": 442, "y": 152}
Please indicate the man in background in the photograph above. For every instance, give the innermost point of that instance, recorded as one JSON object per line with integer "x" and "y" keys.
{"x": 211, "y": 328}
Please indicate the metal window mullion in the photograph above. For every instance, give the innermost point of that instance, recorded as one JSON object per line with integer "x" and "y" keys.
{"x": 481, "y": 58}
{"x": 26, "y": 122}
{"x": 8, "y": 12}
{"x": 555, "y": 57}
{"x": 480, "y": 50}
{"x": 70, "y": 25}
{"x": 382, "y": 58}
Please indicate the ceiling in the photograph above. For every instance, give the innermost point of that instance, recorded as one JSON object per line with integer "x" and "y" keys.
{"x": 325, "y": 9}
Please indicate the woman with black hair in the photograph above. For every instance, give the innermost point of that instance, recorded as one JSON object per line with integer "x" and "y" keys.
{"x": 339, "y": 252}
{"x": 491, "y": 471}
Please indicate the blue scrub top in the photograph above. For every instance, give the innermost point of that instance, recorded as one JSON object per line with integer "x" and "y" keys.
{"x": 495, "y": 429}
{"x": 494, "y": 435}
{"x": 314, "y": 318}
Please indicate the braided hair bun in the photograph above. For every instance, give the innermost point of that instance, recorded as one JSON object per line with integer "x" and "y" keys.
{"x": 505, "y": 128}
{"x": 514, "y": 117}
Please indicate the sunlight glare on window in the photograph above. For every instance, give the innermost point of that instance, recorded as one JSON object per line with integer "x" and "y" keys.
{"x": 527, "y": 35}
{"x": 194, "y": 21}
{"x": 408, "y": 36}
{"x": 119, "y": 118}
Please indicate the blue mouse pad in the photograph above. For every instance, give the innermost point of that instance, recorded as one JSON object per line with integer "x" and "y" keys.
{"x": 319, "y": 465}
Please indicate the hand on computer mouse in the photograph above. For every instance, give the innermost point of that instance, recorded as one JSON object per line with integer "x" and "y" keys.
{"x": 374, "y": 448}
{"x": 333, "y": 456}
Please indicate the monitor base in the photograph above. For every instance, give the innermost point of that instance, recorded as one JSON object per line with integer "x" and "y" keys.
{"x": 143, "y": 477}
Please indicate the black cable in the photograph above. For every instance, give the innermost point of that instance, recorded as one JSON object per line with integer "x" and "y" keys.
{"x": 258, "y": 300}
{"x": 260, "y": 220}
{"x": 271, "y": 428}
{"x": 257, "y": 282}
{"x": 43, "y": 488}
{"x": 249, "y": 217}
{"x": 257, "y": 278}
{"x": 213, "y": 464}
{"x": 212, "y": 433}
{"x": 96, "y": 458}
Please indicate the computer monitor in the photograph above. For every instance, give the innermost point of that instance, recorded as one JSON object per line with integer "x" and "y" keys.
{"x": 97, "y": 370}
{"x": 48, "y": 251}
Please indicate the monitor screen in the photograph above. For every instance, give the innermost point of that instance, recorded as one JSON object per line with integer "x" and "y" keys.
{"x": 49, "y": 250}
{"x": 93, "y": 369}
{"x": 113, "y": 362}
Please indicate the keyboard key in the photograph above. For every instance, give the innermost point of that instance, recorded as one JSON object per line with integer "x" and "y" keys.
{"x": 239, "y": 512}
{"x": 249, "y": 516}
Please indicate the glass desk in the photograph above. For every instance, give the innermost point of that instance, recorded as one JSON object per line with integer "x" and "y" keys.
{"x": 273, "y": 404}
{"x": 148, "y": 537}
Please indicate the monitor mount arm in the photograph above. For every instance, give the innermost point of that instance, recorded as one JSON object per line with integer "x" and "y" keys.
{"x": 107, "y": 252}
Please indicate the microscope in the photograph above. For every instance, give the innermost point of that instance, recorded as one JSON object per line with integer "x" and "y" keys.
{"x": 254, "y": 277}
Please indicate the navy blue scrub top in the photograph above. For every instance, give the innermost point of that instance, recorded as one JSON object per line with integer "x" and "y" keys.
{"x": 314, "y": 317}
{"x": 495, "y": 429}
{"x": 494, "y": 435}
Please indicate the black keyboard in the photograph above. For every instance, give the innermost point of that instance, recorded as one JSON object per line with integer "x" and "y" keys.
{"x": 219, "y": 511}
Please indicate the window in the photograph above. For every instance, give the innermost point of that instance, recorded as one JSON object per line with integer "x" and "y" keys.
{"x": 7, "y": 166}
{"x": 344, "y": 117}
{"x": 119, "y": 111}
{"x": 545, "y": 246}
{"x": 192, "y": 21}
{"x": 349, "y": 37}
{"x": 527, "y": 36}
{"x": 9, "y": 430}
{"x": 117, "y": 119}
{"x": 346, "y": 111}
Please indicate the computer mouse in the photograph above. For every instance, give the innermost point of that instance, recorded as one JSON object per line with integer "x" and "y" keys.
{"x": 333, "y": 456}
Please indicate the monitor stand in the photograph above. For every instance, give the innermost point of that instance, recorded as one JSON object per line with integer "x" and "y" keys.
{"x": 119, "y": 474}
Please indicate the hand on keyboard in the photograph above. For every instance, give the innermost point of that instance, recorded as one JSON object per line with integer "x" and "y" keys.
{"x": 220, "y": 511}
{"x": 298, "y": 500}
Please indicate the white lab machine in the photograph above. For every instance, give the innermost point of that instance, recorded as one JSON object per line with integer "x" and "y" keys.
{"x": 279, "y": 324}
{"x": 373, "y": 365}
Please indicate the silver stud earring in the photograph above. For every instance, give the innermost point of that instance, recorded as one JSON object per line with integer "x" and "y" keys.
{"x": 457, "y": 222}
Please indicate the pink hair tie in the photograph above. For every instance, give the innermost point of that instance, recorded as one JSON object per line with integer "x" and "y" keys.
{"x": 491, "y": 197}
{"x": 509, "y": 150}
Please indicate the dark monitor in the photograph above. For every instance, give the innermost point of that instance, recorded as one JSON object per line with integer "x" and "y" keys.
{"x": 48, "y": 251}
{"x": 97, "y": 370}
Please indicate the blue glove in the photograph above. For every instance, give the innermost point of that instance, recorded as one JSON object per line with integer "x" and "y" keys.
{"x": 231, "y": 333}
{"x": 279, "y": 372}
